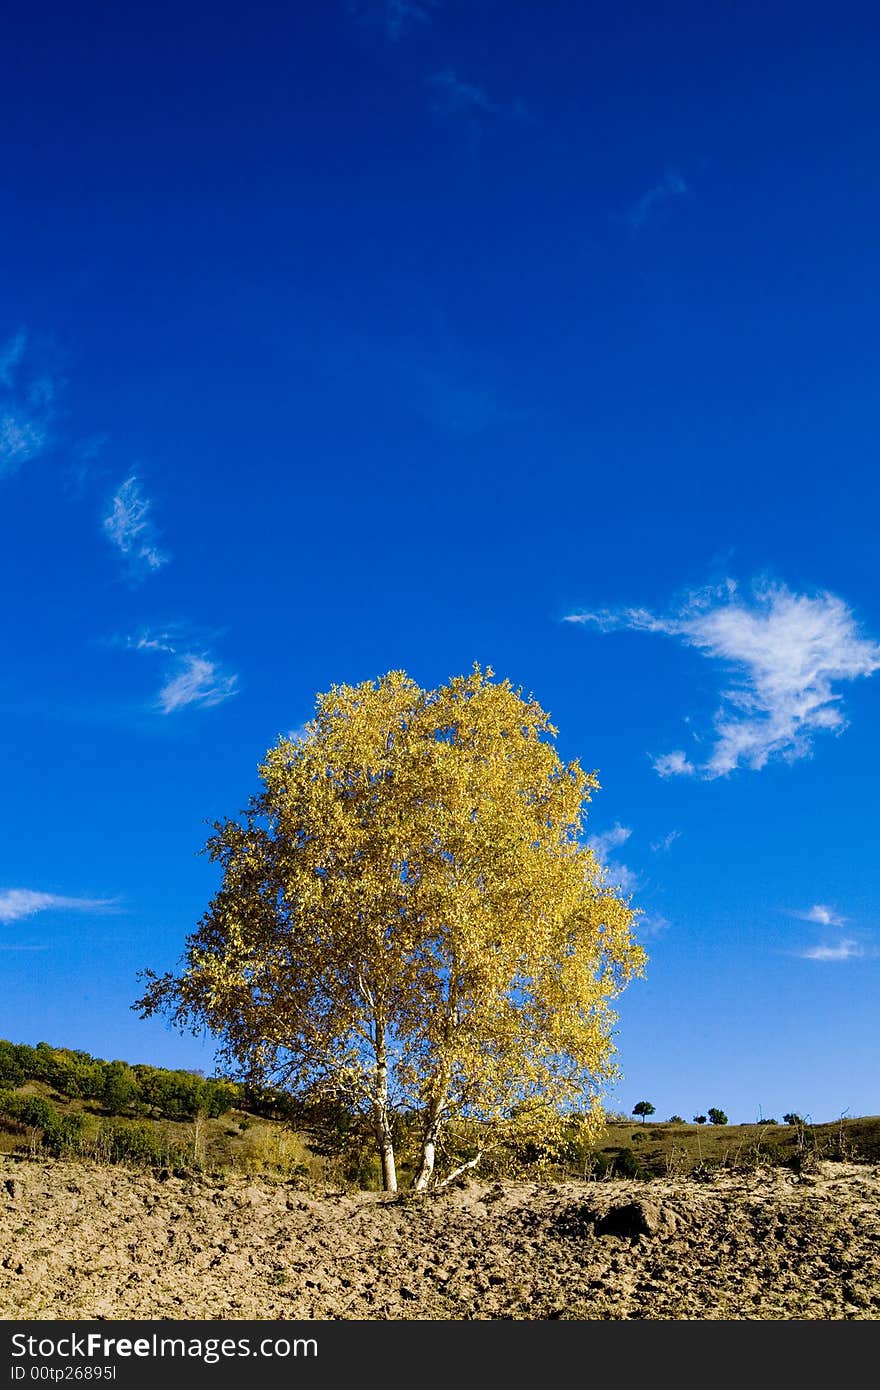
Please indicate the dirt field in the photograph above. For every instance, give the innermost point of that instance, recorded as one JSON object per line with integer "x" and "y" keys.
{"x": 79, "y": 1241}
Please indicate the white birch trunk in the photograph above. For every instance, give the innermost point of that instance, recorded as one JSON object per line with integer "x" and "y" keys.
{"x": 381, "y": 1117}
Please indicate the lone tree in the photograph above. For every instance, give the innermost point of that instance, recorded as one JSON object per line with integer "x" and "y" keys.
{"x": 716, "y": 1116}
{"x": 409, "y": 922}
{"x": 643, "y": 1108}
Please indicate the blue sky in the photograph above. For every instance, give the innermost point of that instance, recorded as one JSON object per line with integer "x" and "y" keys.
{"x": 338, "y": 338}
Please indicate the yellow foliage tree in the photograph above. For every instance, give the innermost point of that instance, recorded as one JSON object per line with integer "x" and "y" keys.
{"x": 408, "y": 919}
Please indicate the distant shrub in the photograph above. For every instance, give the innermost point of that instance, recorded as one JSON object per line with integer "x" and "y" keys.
{"x": 699, "y": 1119}
{"x": 58, "y": 1133}
{"x": 34, "y": 1111}
{"x": 277, "y": 1151}
{"x": 675, "y": 1120}
{"x": 792, "y": 1118}
{"x": 119, "y": 1142}
{"x": 626, "y": 1165}
{"x": 717, "y": 1116}
{"x": 597, "y": 1164}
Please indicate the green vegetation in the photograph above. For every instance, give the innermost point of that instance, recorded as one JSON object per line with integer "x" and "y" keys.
{"x": 266, "y": 1132}
{"x": 716, "y": 1116}
{"x": 121, "y": 1089}
{"x": 644, "y": 1108}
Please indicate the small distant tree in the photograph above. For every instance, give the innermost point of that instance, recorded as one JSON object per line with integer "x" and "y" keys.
{"x": 699, "y": 1119}
{"x": 717, "y": 1116}
{"x": 644, "y": 1108}
{"x": 675, "y": 1120}
{"x": 792, "y": 1118}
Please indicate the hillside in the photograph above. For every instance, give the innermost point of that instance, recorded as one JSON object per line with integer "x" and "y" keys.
{"x": 62, "y": 1102}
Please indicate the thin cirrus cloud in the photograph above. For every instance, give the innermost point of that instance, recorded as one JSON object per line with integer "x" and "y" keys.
{"x": 25, "y": 407}
{"x": 397, "y": 18}
{"x": 653, "y": 924}
{"x": 787, "y": 654}
{"x": 670, "y": 187}
{"x": 675, "y": 764}
{"x": 193, "y": 676}
{"x": 402, "y": 16}
{"x": 16, "y": 904}
{"x": 457, "y": 96}
{"x": 665, "y": 843}
{"x": 129, "y": 526}
{"x": 844, "y": 950}
{"x": 199, "y": 681}
{"x": 821, "y": 913}
{"x": 452, "y": 93}
{"x": 602, "y": 845}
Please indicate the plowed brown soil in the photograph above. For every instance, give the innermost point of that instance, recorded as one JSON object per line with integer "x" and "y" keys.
{"x": 81, "y": 1241}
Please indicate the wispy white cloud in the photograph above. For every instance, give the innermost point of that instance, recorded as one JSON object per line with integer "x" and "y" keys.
{"x": 129, "y": 526}
{"x": 25, "y": 407}
{"x": 167, "y": 641}
{"x": 20, "y": 440}
{"x": 402, "y": 16}
{"x": 665, "y": 843}
{"x": 18, "y": 903}
{"x": 397, "y": 18}
{"x": 821, "y": 913}
{"x": 602, "y": 845}
{"x": 787, "y": 653}
{"x": 674, "y": 764}
{"x": 193, "y": 676}
{"x": 199, "y": 681}
{"x": 454, "y": 94}
{"x": 671, "y": 186}
{"x": 622, "y": 876}
{"x": 11, "y": 354}
{"x": 652, "y": 924}
{"x": 844, "y": 950}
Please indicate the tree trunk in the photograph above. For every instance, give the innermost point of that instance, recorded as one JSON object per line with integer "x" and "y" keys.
{"x": 381, "y": 1118}
{"x": 386, "y": 1152}
{"x": 429, "y": 1142}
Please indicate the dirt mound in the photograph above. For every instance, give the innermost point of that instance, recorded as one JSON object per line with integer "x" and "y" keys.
{"x": 80, "y": 1241}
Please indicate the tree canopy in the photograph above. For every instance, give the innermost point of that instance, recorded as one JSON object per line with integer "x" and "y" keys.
{"x": 408, "y": 920}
